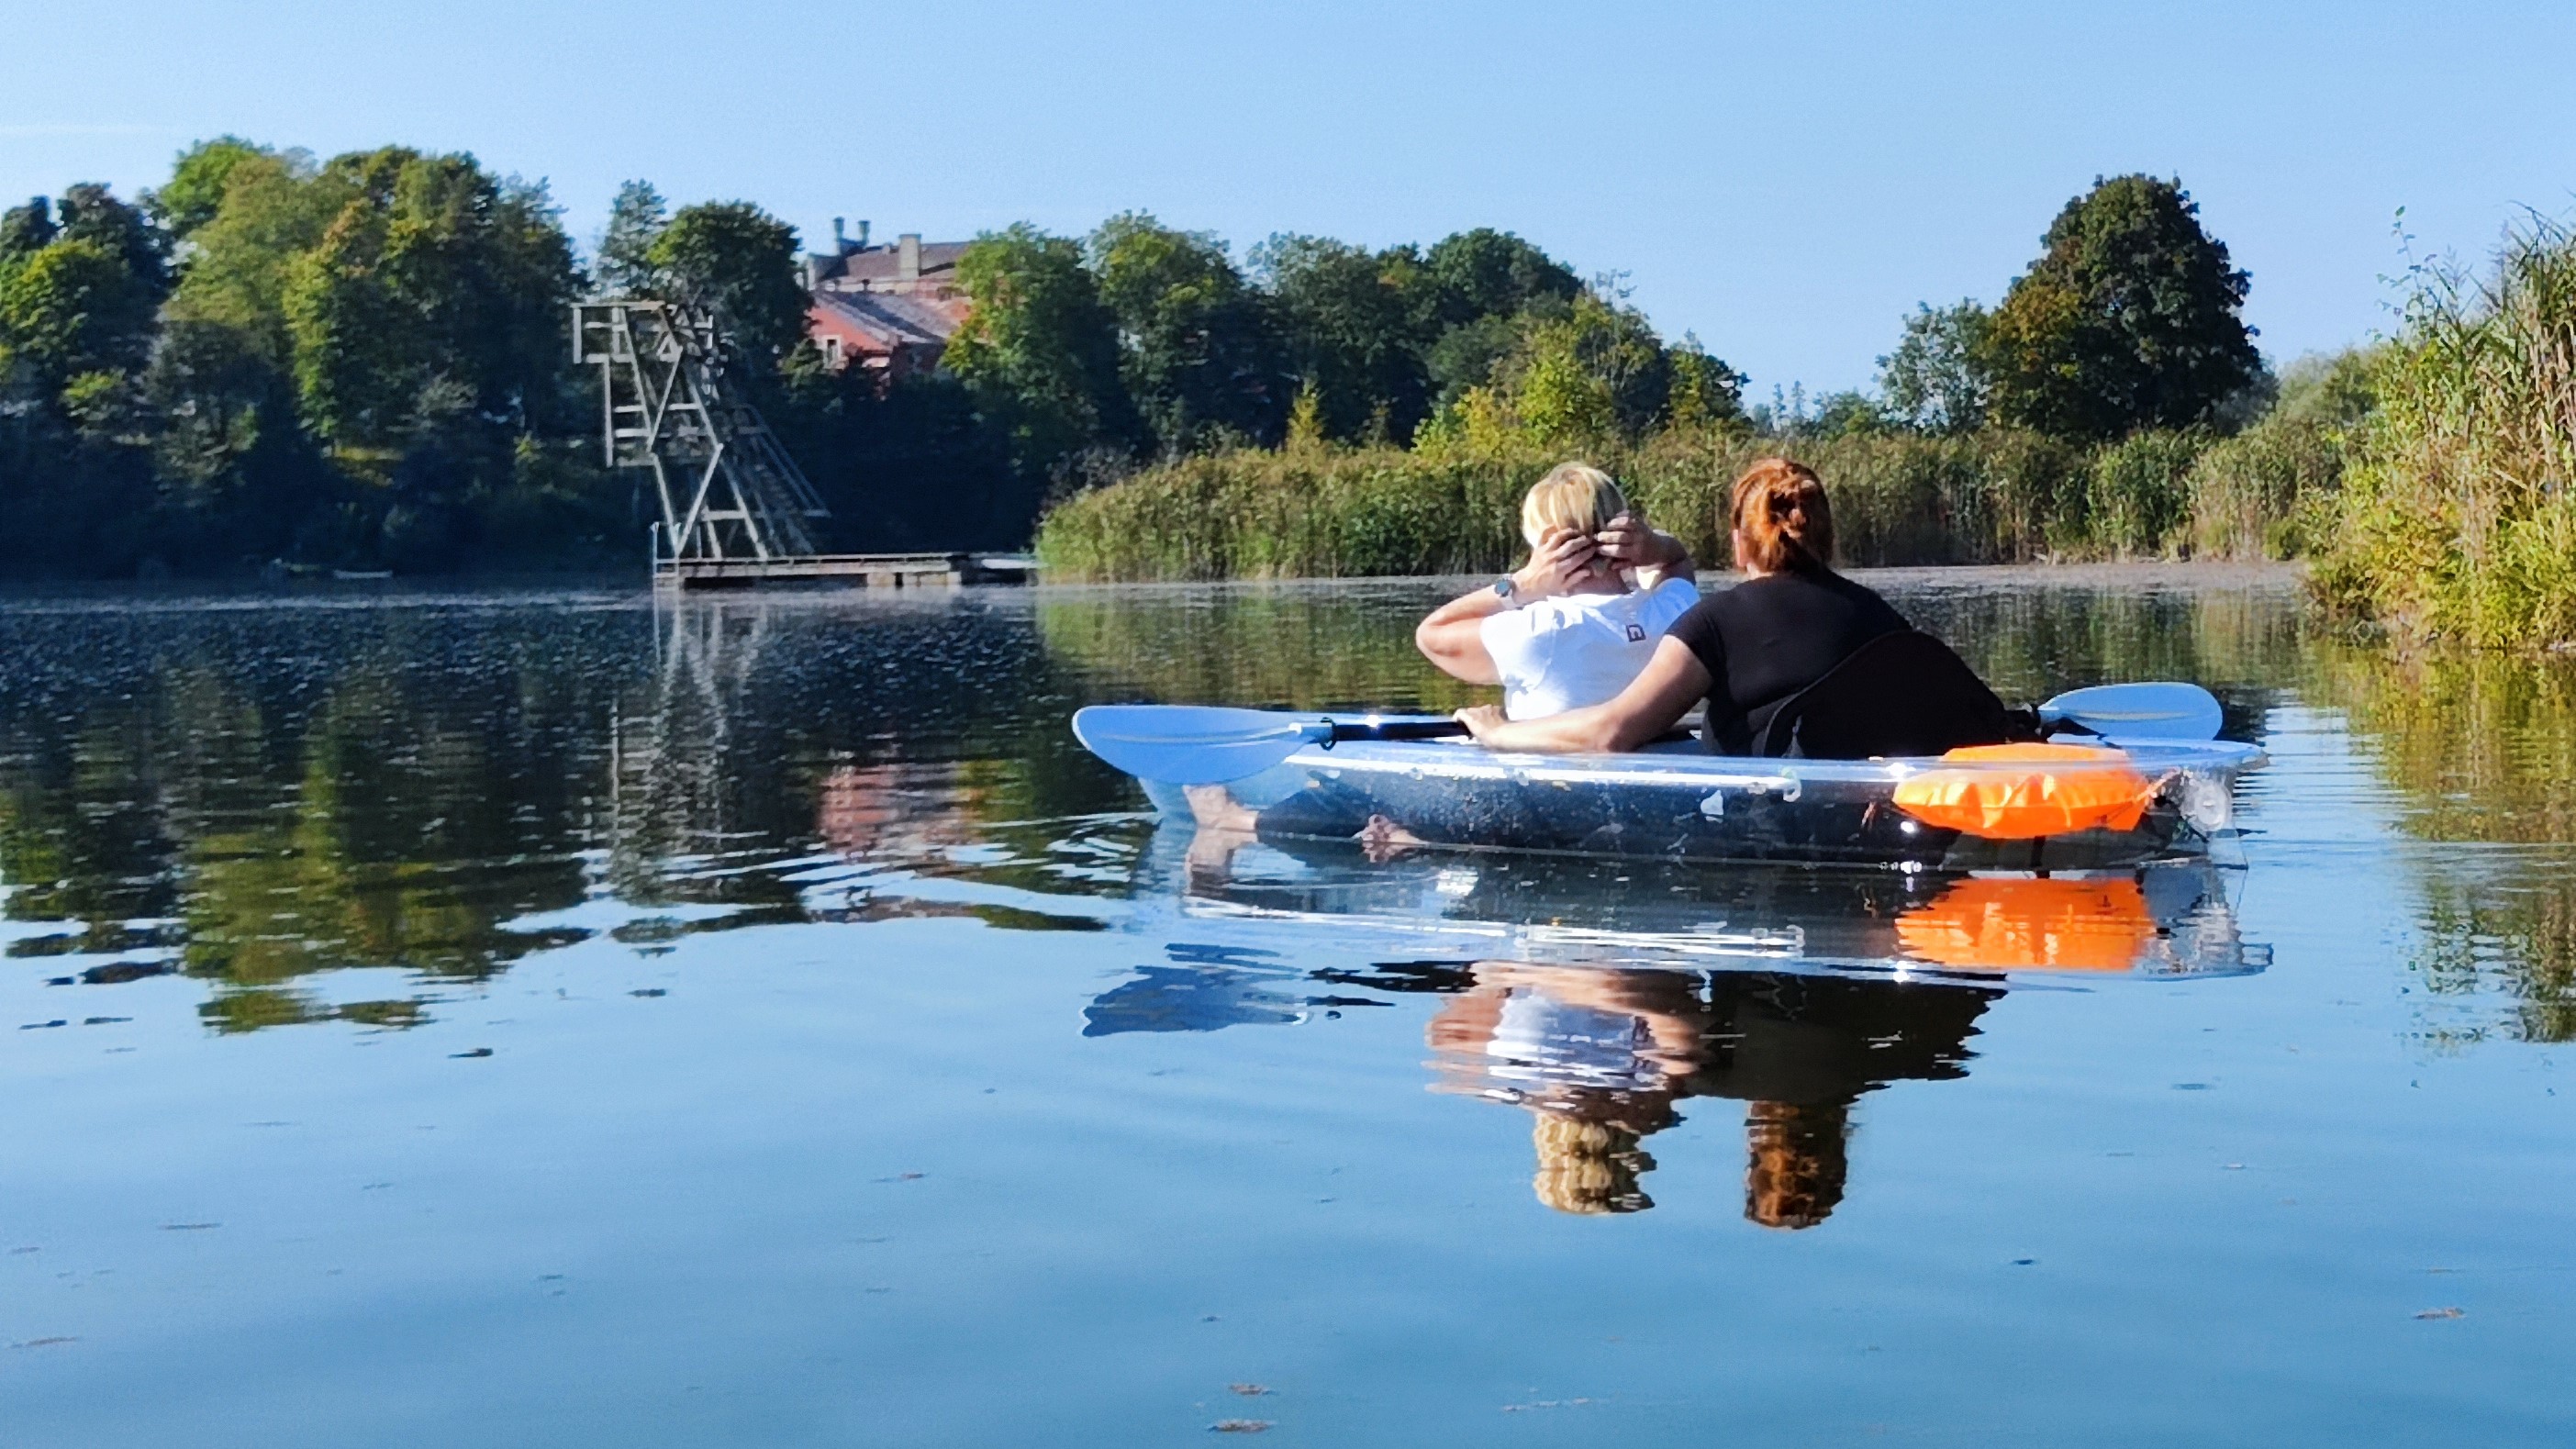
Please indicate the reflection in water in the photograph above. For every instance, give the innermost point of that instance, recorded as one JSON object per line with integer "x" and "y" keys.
{"x": 259, "y": 796}
{"x": 1601, "y": 1056}
{"x": 363, "y": 816}
{"x": 259, "y": 793}
{"x": 2481, "y": 750}
{"x": 1582, "y": 992}
{"x": 2171, "y": 918}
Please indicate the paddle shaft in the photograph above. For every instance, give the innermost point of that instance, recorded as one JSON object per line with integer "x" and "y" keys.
{"x": 1395, "y": 729}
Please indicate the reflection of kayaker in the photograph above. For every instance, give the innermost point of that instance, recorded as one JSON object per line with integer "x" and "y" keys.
{"x": 1600, "y": 1057}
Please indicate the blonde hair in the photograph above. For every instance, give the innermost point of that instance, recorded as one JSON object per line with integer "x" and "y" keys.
{"x": 1588, "y": 1167}
{"x": 1572, "y": 495}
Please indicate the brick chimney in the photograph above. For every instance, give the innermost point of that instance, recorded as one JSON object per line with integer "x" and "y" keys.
{"x": 907, "y": 257}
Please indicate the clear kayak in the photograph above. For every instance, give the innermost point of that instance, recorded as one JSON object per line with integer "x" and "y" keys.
{"x": 2023, "y": 808}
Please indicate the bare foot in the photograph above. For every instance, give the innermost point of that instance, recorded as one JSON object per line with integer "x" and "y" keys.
{"x": 1215, "y": 808}
{"x": 1382, "y": 840}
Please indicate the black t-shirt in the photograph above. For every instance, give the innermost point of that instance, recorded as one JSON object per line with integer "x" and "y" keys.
{"x": 1767, "y": 638}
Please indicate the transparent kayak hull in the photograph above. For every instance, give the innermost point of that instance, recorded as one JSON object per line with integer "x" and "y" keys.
{"x": 1678, "y": 803}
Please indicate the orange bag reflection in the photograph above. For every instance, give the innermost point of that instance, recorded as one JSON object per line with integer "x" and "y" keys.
{"x": 2065, "y": 788}
{"x": 2021, "y": 923}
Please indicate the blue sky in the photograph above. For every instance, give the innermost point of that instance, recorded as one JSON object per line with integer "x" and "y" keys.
{"x": 1784, "y": 180}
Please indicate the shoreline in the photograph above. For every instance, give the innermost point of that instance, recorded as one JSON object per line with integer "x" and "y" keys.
{"x": 2140, "y": 574}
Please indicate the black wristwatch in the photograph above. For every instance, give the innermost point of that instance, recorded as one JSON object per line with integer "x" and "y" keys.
{"x": 1504, "y": 588}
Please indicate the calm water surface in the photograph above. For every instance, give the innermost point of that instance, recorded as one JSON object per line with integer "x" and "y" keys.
{"x": 539, "y": 1019}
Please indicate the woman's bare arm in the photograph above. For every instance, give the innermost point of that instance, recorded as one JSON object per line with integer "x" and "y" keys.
{"x": 1453, "y": 636}
{"x": 1672, "y": 681}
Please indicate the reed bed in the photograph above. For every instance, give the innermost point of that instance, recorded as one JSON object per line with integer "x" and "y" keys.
{"x": 1899, "y": 498}
{"x": 2456, "y": 519}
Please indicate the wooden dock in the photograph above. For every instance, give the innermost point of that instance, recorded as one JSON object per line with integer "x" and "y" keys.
{"x": 845, "y": 570}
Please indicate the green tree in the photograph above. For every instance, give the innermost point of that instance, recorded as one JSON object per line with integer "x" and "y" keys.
{"x": 1606, "y": 353}
{"x": 90, "y": 212}
{"x": 72, "y": 308}
{"x": 1594, "y": 374}
{"x": 1485, "y": 289}
{"x": 79, "y": 283}
{"x": 1039, "y": 350}
{"x": 229, "y": 446}
{"x": 273, "y": 209}
{"x": 26, "y": 230}
{"x": 1356, "y": 324}
{"x": 1704, "y": 389}
{"x": 2131, "y": 318}
{"x": 636, "y": 220}
{"x": 195, "y": 190}
{"x": 435, "y": 296}
{"x": 1486, "y": 273}
{"x": 739, "y": 260}
{"x": 1198, "y": 353}
{"x": 1936, "y": 380}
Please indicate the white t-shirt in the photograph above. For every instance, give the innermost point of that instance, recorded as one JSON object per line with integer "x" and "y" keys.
{"x": 1578, "y": 649}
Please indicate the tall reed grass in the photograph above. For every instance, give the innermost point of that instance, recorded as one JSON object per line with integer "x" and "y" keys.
{"x": 2456, "y": 520}
{"x": 1899, "y": 498}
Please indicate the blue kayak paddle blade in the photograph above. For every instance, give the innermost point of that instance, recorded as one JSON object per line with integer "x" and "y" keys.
{"x": 2161, "y": 710}
{"x": 1189, "y": 744}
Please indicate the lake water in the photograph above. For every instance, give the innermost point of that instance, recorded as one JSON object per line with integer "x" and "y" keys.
{"x": 539, "y": 1018}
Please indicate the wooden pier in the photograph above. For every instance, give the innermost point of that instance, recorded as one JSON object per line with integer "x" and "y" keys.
{"x": 848, "y": 570}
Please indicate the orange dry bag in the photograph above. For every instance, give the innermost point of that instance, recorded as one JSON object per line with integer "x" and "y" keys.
{"x": 2018, "y": 792}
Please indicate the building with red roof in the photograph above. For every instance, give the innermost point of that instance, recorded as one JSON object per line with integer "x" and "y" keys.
{"x": 888, "y": 308}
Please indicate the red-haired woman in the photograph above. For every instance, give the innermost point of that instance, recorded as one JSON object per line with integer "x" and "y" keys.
{"x": 1745, "y": 650}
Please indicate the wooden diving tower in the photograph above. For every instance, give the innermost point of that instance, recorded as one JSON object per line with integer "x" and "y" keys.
{"x": 734, "y": 504}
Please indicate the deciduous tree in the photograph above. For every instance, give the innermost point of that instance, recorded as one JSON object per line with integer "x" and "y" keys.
{"x": 1356, "y": 325}
{"x": 1936, "y": 379}
{"x": 1199, "y": 355}
{"x": 2131, "y": 318}
{"x": 195, "y": 190}
{"x": 741, "y": 261}
{"x": 1039, "y": 349}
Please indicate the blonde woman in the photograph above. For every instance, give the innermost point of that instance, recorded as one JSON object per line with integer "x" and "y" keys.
{"x": 1575, "y": 624}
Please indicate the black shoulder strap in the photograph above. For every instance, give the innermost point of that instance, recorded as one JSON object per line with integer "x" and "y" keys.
{"x": 1902, "y": 693}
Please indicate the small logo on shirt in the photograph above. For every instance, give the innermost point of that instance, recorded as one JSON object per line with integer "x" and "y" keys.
{"x": 1636, "y": 634}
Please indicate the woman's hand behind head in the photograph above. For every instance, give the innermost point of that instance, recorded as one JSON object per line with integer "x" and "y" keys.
{"x": 1562, "y": 559}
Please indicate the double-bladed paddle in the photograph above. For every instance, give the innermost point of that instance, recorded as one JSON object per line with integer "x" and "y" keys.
{"x": 2156, "y": 710}
{"x": 1195, "y": 744}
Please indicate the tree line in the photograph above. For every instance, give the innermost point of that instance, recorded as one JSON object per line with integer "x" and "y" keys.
{"x": 362, "y": 362}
